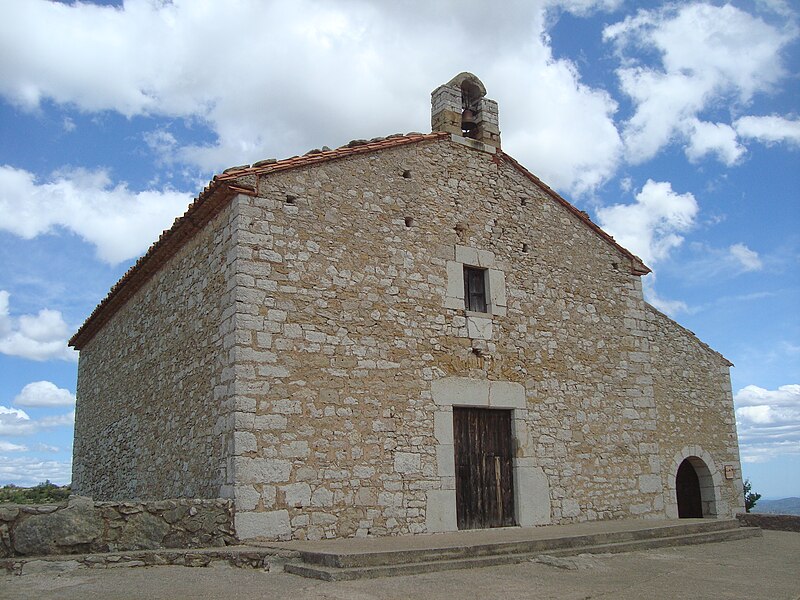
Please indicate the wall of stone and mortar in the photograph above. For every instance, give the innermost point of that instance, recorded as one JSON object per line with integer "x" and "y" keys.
{"x": 155, "y": 385}
{"x": 694, "y": 404}
{"x": 342, "y": 328}
{"x": 305, "y": 337}
{"x": 83, "y": 526}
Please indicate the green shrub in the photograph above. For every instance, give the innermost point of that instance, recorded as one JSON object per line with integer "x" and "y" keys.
{"x": 44, "y": 493}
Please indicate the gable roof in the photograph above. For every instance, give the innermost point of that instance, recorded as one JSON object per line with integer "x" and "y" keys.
{"x": 225, "y": 186}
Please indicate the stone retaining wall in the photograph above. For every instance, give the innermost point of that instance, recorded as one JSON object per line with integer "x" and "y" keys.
{"x": 82, "y": 526}
{"x": 266, "y": 559}
{"x": 765, "y": 521}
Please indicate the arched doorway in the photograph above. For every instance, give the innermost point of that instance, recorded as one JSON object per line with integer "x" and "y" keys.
{"x": 687, "y": 489}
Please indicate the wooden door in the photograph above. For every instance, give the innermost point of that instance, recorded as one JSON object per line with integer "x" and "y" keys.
{"x": 483, "y": 456}
{"x": 687, "y": 489}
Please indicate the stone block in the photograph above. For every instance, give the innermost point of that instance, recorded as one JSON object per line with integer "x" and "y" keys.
{"x": 143, "y": 532}
{"x": 322, "y": 497}
{"x": 506, "y": 394}
{"x": 246, "y": 497}
{"x": 244, "y": 442}
{"x": 49, "y": 567}
{"x": 297, "y": 494}
{"x": 445, "y": 460}
{"x": 467, "y": 256}
{"x": 440, "y": 511}
{"x": 271, "y": 525}
{"x": 443, "y": 426}
{"x": 455, "y": 280}
{"x": 531, "y": 495}
{"x": 261, "y": 470}
{"x": 406, "y": 462}
{"x": 461, "y": 391}
{"x": 497, "y": 288}
{"x": 56, "y": 532}
{"x": 262, "y": 422}
{"x": 570, "y": 507}
{"x": 485, "y": 258}
{"x": 479, "y": 328}
{"x": 296, "y": 449}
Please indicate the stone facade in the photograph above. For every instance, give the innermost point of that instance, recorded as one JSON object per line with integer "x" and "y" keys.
{"x": 318, "y": 341}
{"x": 156, "y": 385}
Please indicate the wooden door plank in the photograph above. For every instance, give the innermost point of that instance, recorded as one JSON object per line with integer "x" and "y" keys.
{"x": 484, "y": 467}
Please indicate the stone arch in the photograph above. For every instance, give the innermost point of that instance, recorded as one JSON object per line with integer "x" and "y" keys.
{"x": 709, "y": 476}
{"x": 468, "y": 81}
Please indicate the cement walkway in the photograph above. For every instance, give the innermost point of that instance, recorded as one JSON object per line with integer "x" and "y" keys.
{"x": 765, "y": 568}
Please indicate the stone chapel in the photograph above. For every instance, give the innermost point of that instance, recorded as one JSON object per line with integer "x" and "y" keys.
{"x": 404, "y": 335}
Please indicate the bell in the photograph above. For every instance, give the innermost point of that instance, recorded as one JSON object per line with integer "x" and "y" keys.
{"x": 468, "y": 122}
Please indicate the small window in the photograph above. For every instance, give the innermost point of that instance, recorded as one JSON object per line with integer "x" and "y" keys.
{"x": 475, "y": 289}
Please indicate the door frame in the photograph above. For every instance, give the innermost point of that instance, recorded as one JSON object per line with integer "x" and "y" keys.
{"x": 711, "y": 483}
{"x": 493, "y": 425}
{"x": 531, "y": 487}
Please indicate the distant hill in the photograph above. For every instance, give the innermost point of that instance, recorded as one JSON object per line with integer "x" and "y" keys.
{"x": 784, "y": 506}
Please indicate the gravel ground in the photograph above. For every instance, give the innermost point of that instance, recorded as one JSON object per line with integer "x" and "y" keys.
{"x": 765, "y": 568}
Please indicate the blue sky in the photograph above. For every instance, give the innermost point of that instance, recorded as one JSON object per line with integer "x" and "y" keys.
{"x": 675, "y": 126}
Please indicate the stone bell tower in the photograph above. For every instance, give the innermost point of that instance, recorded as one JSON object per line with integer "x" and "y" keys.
{"x": 460, "y": 106}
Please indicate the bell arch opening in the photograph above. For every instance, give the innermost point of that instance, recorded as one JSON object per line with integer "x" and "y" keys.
{"x": 694, "y": 490}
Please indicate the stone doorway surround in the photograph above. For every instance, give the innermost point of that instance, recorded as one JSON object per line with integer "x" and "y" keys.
{"x": 531, "y": 488}
{"x": 711, "y": 483}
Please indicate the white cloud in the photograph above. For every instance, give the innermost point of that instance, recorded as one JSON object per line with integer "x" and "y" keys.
{"x": 121, "y": 224}
{"x": 651, "y": 227}
{"x": 47, "y": 448}
{"x": 785, "y": 395}
{"x": 317, "y": 74}
{"x": 44, "y": 393}
{"x": 669, "y": 307}
{"x": 37, "y": 337}
{"x": 584, "y": 8}
{"x": 748, "y": 259}
{"x": 29, "y": 471}
{"x": 14, "y": 421}
{"x": 713, "y": 138}
{"x": 768, "y": 422}
{"x": 708, "y": 55}
{"x": 770, "y": 129}
{"x": 9, "y": 447}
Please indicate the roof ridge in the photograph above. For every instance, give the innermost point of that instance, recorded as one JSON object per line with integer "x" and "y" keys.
{"x": 314, "y": 156}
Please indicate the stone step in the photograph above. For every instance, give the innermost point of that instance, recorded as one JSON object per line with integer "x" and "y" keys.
{"x": 446, "y": 563}
{"x": 346, "y": 559}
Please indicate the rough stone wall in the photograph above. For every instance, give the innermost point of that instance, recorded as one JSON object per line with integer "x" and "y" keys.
{"x": 774, "y": 522}
{"x": 342, "y": 328}
{"x": 154, "y": 391}
{"x": 82, "y": 526}
{"x": 695, "y": 414}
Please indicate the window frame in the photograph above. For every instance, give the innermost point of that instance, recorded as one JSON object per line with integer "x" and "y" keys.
{"x": 476, "y": 289}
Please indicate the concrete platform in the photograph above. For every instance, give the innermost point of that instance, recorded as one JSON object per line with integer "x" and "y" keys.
{"x": 349, "y": 559}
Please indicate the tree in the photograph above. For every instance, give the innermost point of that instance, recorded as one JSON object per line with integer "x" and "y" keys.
{"x": 750, "y": 497}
